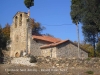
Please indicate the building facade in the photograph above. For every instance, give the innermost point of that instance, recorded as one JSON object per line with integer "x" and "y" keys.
{"x": 19, "y": 34}
{"x": 63, "y": 49}
{"x": 39, "y": 45}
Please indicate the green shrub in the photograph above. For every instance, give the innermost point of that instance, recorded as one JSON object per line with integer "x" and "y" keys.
{"x": 33, "y": 59}
{"x": 90, "y": 72}
{"x": 88, "y": 59}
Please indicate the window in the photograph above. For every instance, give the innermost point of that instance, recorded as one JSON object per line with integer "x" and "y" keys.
{"x": 16, "y": 22}
{"x": 20, "y": 20}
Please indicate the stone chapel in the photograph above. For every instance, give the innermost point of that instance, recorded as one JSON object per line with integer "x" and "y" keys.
{"x": 38, "y": 44}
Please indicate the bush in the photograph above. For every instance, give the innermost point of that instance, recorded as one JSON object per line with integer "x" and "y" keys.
{"x": 33, "y": 59}
{"x": 88, "y": 59}
{"x": 90, "y": 72}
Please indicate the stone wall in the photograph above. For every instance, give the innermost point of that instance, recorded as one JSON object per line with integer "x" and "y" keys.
{"x": 69, "y": 50}
{"x": 49, "y": 52}
{"x": 22, "y": 61}
{"x": 58, "y": 62}
{"x": 65, "y": 62}
{"x": 48, "y": 66}
{"x": 35, "y": 47}
{"x": 18, "y": 34}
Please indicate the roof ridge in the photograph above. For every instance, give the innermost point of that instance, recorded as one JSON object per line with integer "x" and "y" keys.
{"x": 46, "y": 38}
{"x": 54, "y": 44}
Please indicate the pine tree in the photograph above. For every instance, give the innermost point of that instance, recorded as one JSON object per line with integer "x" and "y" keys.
{"x": 87, "y": 12}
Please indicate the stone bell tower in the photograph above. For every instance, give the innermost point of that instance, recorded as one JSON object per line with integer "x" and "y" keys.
{"x": 20, "y": 34}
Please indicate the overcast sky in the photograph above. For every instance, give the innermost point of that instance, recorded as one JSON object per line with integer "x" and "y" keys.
{"x": 52, "y": 14}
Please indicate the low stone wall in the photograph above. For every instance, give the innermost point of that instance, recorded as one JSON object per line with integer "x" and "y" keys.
{"x": 64, "y": 62}
{"x": 59, "y": 62}
{"x": 22, "y": 61}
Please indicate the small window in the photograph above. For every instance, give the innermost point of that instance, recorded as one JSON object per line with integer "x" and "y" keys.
{"x": 16, "y": 22}
{"x": 20, "y": 20}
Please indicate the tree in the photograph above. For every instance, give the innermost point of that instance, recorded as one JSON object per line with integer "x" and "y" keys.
{"x": 47, "y": 34}
{"x": 75, "y": 15}
{"x": 98, "y": 47}
{"x": 76, "y": 11}
{"x": 4, "y": 36}
{"x": 91, "y": 27}
{"x": 87, "y": 12}
{"x": 29, "y": 3}
{"x": 88, "y": 48}
{"x": 36, "y": 27}
{"x": 89, "y": 32}
{"x": 1, "y": 37}
{"x": 2, "y": 44}
{"x": 6, "y": 31}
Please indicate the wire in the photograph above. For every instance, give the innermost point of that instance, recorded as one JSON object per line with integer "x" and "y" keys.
{"x": 56, "y": 25}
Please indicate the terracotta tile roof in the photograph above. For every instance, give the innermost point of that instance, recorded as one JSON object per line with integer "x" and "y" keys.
{"x": 53, "y": 44}
{"x": 54, "y": 41}
{"x": 46, "y": 38}
{"x": 60, "y": 42}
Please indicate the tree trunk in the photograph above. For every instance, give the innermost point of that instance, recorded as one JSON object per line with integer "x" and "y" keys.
{"x": 94, "y": 45}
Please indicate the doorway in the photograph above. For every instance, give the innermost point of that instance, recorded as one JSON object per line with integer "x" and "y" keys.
{"x": 17, "y": 54}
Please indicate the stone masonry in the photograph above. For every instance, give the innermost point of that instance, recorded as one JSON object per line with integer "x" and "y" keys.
{"x": 19, "y": 34}
{"x": 67, "y": 49}
{"x": 22, "y": 61}
{"x": 22, "y": 38}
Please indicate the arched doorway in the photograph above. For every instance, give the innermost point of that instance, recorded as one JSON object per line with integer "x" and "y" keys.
{"x": 17, "y": 54}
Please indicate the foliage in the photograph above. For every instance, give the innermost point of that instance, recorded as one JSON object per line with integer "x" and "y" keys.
{"x": 3, "y": 42}
{"x": 33, "y": 59}
{"x": 89, "y": 72}
{"x": 29, "y": 3}
{"x": 76, "y": 10}
{"x": 87, "y": 12}
{"x": 47, "y": 34}
{"x": 88, "y": 59}
{"x": 97, "y": 53}
{"x": 98, "y": 47}
{"x": 88, "y": 48}
{"x": 36, "y": 26}
{"x": 4, "y": 36}
{"x": 6, "y": 31}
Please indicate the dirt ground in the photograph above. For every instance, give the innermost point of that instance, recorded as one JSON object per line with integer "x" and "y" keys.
{"x": 9, "y": 69}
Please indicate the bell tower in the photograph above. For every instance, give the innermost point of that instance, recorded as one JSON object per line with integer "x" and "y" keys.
{"x": 20, "y": 34}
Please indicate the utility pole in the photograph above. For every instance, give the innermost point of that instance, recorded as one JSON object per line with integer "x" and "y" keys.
{"x": 78, "y": 39}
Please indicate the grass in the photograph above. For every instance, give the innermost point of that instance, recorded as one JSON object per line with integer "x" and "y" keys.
{"x": 89, "y": 72}
{"x": 88, "y": 59}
